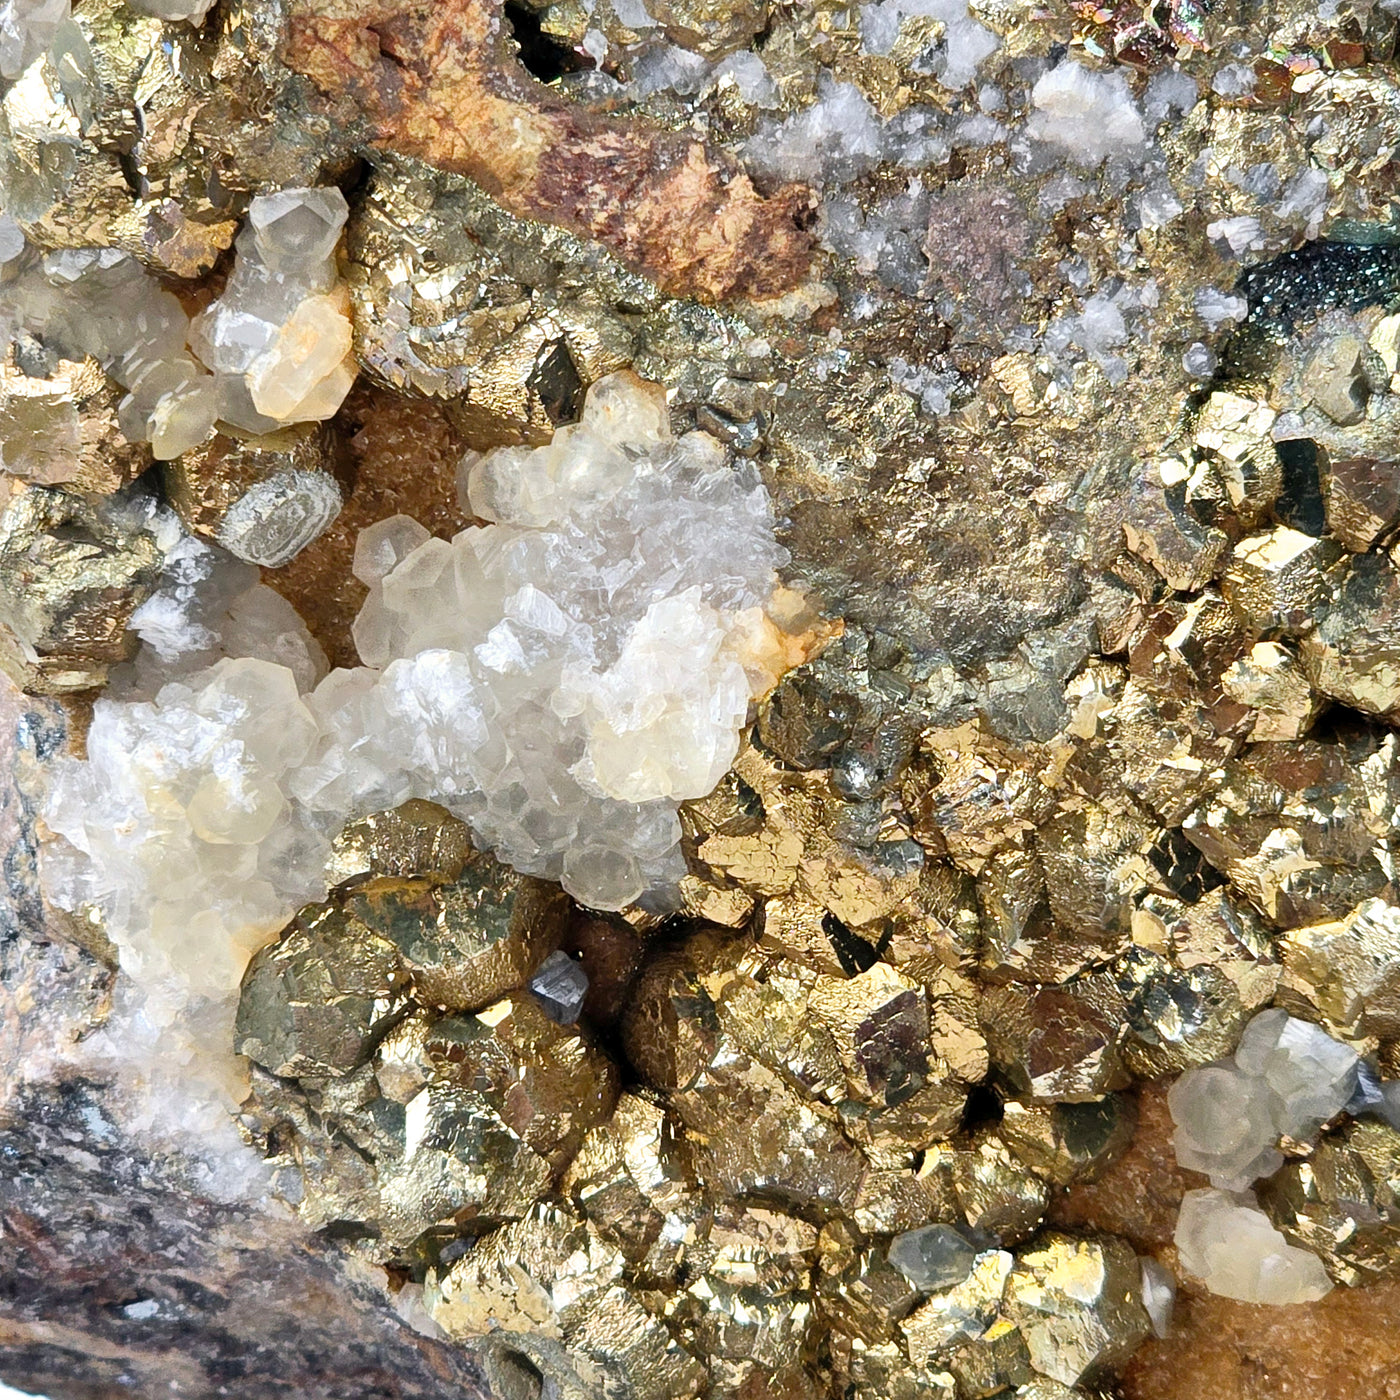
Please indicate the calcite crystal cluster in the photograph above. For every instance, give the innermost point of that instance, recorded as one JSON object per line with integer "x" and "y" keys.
{"x": 694, "y": 663}
{"x": 1285, "y": 1080}
{"x": 272, "y": 350}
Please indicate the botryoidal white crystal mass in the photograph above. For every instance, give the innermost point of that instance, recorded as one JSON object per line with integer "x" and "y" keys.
{"x": 1286, "y": 1079}
{"x": 561, "y": 678}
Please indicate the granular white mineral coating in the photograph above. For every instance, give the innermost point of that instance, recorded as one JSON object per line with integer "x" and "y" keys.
{"x": 560, "y": 678}
{"x": 1229, "y": 1244}
{"x": 1286, "y": 1079}
{"x": 1090, "y": 116}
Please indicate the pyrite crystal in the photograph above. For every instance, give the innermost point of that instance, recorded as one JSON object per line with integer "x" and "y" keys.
{"x": 701, "y": 699}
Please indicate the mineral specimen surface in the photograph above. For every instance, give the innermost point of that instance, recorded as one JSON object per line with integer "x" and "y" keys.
{"x": 711, "y": 697}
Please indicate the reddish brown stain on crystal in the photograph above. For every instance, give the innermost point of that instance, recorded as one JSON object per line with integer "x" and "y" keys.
{"x": 441, "y": 82}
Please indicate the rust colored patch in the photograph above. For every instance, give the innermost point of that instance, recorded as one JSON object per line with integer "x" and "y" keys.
{"x": 1139, "y": 1195}
{"x": 402, "y": 459}
{"x": 1341, "y": 1348}
{"x": 439, "y": 80}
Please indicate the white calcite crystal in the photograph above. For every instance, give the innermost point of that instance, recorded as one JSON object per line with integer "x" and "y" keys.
{"x": 175, "y": 831}
{"x": 1158, "y": 1295}
{"x": 1089, "y": 116}
{"x": 27, "y": 28}
{"x": 1286, "y": 1079}
{"x": 176, "y": 827}
{"x": 279, "y": 339}
{"x": 1229, "y": 1244}
{"x": 561, "y": 678}
{"x": 564, "y": 676}
{"x": 964, "y": 44}
{"x": 273, "y": 350}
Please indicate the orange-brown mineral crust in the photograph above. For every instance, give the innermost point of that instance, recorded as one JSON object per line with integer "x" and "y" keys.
{"x": 402, "y": 457}
{"x": 1342, "y": 1347}
{"x": 436, "y": 79}
{"x": 1139, "y": 1195}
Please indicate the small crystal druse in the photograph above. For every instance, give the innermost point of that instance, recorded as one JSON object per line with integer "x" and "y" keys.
{"x": 272, "y": 350}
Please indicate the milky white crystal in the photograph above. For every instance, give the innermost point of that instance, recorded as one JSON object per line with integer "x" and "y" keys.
{"x": 176, "y": 829}
{"x": 279, "y": 338}
{"x": 1286, "y": 1079}
{"x": 563, "y": 676}
{"x": 1229, "y": 1244}
{"x": 1089, "y": 115}
{"x": 964, "y": 43}
{"x": 560, "y": 678}
{"x": 274, "y": 349}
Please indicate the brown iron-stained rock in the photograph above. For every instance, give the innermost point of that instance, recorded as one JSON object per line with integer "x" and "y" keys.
{"x": 437, "y": 81}
{"x": 1136, "y": 1196}
{"x": 1338, "y": 1348}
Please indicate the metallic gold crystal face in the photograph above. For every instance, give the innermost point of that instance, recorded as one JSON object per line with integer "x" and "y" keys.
{"x": 71, "y": 575}
{"x": 61, "y": 429}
